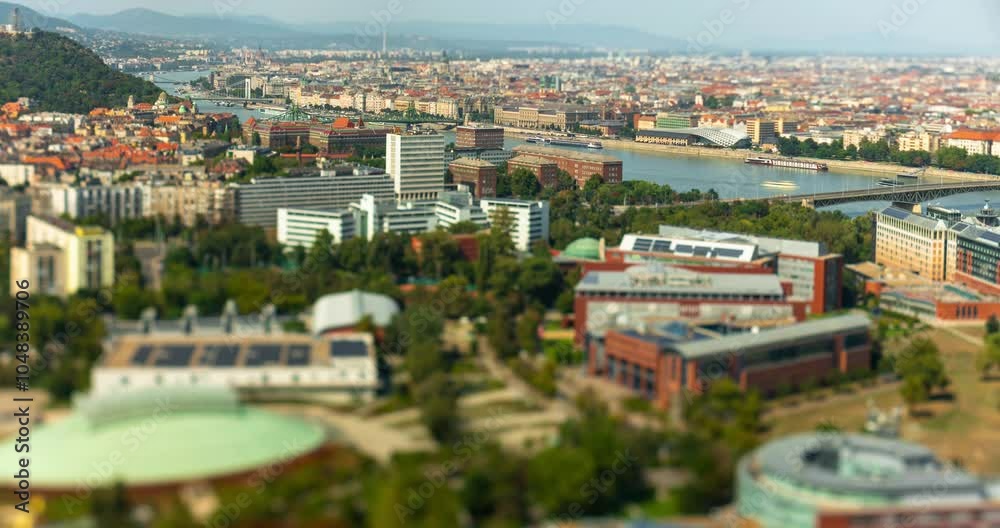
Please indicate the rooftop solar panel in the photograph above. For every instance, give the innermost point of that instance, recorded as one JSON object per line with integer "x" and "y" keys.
{"x": 298, "y": 355}
{"x": 991, "y": 236}
{"x": 142, "y": 355}
{"x": 263, "y": 355}
{"x": 220, "y": 355}
{"x": 702, "y": 251}
{"x": 661, "y": 246}
{"x": 344, "y": 349}
{"x": 684, "y": 248}
{"x": 174, "y": 356}
{"x": 898, "y": 214}
{"x": 960, "y": 227}
{"x": 642, "y": 244}
{"x": 725, "y": 252}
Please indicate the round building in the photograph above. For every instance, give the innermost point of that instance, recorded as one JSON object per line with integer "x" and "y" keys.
{"x": 793, "y": 482}
{"x": 158, "y": 439}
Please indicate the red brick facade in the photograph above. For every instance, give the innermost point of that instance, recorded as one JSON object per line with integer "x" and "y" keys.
{"x": 628, "y": 352}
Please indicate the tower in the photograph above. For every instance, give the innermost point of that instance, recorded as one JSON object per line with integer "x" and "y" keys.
{"x": 131, "y": 102}
{"x": 15, "y": 19}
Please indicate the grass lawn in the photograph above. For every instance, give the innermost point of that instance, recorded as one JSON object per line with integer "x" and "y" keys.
{"x": 966, "y": 428}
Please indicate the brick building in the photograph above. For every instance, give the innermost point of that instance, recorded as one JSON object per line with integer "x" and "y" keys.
{"x": 547, "y": 172}
{"x": 580, "y": 165}
{"x": 662, "y": 363}
{"x": 814, "y": 274}
{"x": 486, "y": 137}
{"x": 653, "y": 293}
{"x": 479, "y": 175}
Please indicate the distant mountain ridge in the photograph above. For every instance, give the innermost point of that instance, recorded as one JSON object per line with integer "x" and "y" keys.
{"x": 33, "y": 19}
{"x": 356, "y": 34}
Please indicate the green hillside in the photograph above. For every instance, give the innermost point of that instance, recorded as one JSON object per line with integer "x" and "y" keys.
{"x": 63, "y": 76}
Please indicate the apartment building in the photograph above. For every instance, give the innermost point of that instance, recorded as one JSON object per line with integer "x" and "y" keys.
{"x": 480, "y": 176}
{"x": 115, "y": 202}
{"x": 486, "y": 137}
{"x": 580, "y": 165}
{"x": 301, "y": 227}
{"x": 60, "y": 258}
{"x": 529, "y": 220}
{"x": 919, "y": 244}
{"x": 547, "y": 172}
{"x": 761, "y": 131}
{"x": 416, "y": 164}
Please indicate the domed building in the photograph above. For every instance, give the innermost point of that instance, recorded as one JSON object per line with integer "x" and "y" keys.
{"x": 840, "y": 480}
{"x": 156, "y": 440}
{"x": 584, "y": 249}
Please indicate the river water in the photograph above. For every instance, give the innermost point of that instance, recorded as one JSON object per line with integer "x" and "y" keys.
{"x": 730, "y": 178}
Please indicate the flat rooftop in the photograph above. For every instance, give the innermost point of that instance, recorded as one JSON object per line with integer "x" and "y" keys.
{"x": 564, "y": 153}
{"x": 668, "y": 279}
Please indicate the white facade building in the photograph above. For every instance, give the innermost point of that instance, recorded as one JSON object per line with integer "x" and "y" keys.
{"x": 529, "y": 220}
{"x": 300, "y": 227}
{"x": 255, "y": 362}
{"x": 116, "y": 202}
{"x": 416, "y": 164}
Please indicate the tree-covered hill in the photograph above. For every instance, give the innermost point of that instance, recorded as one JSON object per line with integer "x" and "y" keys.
{"x": 63, "y": 76}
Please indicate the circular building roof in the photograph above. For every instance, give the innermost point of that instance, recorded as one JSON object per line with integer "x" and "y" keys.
{"x": 584, "y": 248}
{"x": 344, "y": 310}
{"x": 161, "y": 438}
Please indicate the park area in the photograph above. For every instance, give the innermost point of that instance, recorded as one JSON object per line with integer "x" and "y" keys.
{"x": 962, "y": 425}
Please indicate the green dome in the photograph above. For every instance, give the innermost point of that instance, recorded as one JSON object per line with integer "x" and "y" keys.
{"x": 584, "y": 248}
{"x": 163, "y": 437}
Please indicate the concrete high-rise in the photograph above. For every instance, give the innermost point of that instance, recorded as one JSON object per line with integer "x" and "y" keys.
{"x": 416, "y": 164}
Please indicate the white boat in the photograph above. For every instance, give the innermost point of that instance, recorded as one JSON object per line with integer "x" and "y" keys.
{"x": 595, "y": 145}
{"x": 780, "y": 184}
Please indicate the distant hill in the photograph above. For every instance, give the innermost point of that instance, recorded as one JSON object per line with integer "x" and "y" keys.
{"x": 263, "y": 31}
{"x": 63, "y": 76}
{"x": 148, "y": 22}
{"x": 33, "y": 19}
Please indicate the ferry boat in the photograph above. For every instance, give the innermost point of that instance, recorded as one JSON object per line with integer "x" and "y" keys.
{"x": 535, "y": 139}
{"x": 787, "y": 163}
{"x": 780, "y": 184}
{"x": 574, "y": 143}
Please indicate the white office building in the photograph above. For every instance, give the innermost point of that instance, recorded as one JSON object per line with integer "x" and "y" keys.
{"x": 300, "y": 227}
{"x": 373, "y": 216}
{"x": 458, "y": 206}
{"x": 529, "y": 220}
{"x": 257, "y": 202}
{"x": 416, "y": 164}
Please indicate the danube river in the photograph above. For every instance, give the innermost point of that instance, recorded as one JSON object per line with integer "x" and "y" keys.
{"x": 730, "y": 178}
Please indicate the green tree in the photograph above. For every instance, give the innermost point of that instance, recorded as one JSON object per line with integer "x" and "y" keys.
{"x": 989, "y": 358}
{"x": 920, "y": 367}
{"x": 992, "y": 325}
{"x": 524, "y": 184}
{"x": 397, "y": 503}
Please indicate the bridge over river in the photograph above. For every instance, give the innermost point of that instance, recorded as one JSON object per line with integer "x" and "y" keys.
{"x": 900, "y": 193}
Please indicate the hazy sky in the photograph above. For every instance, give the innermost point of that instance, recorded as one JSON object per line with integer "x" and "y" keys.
{"x": 949, "y": 23}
